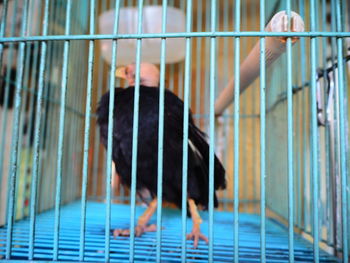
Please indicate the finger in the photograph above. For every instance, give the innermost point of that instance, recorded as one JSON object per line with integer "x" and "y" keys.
{"x": 195, "y": 243}
{"x": 125, "y": 232}
{"x": 138, "y": 233}
{"x": 203, "y": 237}
{"x": 116, "y": 233}
{"x": 151, "y": 228}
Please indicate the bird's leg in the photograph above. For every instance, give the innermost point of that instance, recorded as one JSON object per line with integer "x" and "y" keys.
{"x": 142, "y": 222}
{"x": 197, "y": 220}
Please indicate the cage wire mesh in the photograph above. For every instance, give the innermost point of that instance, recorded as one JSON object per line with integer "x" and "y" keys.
{"x": 283, "y": 143}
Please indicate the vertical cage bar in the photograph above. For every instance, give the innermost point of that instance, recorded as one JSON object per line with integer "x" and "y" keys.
{"x": 227, "y": 119}
{"x": 290, "y": 141}
{"x": 198, "y": 62}
{"x": 304, "y": 119}
{"x": 73, "y": 147}
{"x": 3, "y": 22}
{"x": 318, "y": 61}
{"x": 172, "y": 66}
{"x": 207, "y": 61}
{"x": 28, "y": 100}
{"x": 243, "y": 110}
{"x": 334, "y": 130}
{"x": 135, "y": 134}
{"x": 4, "y": 113}
{"x": 47, "y": 127}
{"x": 342, "y": 139}
{"x": 25, "y": 95}
{"x": 49, "y": 54}
{"x": 314, "y": 136}
{"x": 262, "y": 136}
{"x": 15, "y": 137}
{"x": 297, "y": 194}
{"x": 109, "y": 162}
{"x": 328, "y": 179}
{"x": 180, "y": 65}
{"x": 254, "y": 126}
{"x": 212, "y": 128}
{"x": 37, "y": 134}
{"x": 236, "y": 131}
{"x": 161, "y": 132}
{"x": 53, "y": 49}
{"x": 96, "y": 163}
{"x": 31, "y": 103}
{"x": 185, "y": 130}
{"x": 61, "y": 132}
{"x": 87, "y": 133}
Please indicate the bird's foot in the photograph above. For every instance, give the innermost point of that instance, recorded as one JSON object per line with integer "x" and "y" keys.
{"x": 196, "y": 235}
{"x": 139, "y": 230}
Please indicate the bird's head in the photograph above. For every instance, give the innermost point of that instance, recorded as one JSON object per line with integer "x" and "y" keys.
{"x": 149, "y": 74}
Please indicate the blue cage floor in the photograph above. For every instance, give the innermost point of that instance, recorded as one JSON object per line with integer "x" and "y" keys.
{"x": 145, "y": 246}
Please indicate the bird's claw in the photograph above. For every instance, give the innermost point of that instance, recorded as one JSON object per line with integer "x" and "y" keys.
{"x": 139, "y": 230}
{"x": 196, "y": 235}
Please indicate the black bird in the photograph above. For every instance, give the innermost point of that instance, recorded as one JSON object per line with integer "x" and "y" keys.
{"x": 198, "y": 148}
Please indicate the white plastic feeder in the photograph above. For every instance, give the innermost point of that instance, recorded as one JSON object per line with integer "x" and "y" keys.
{"x": 152, "y": 23}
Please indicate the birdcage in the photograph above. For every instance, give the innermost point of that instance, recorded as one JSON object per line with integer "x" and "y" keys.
{"x": 266, "y": 80}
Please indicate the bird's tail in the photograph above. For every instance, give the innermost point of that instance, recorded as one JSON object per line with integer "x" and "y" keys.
{"x": 198, "y": 139}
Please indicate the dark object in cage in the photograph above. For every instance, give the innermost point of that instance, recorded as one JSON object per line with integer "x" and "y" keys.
{"x": 286, "y": 198}
{"x": 198, "y": 148}
{"x": 7, "y": 100}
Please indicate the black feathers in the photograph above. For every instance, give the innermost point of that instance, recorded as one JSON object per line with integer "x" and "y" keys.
{"x": 198, "y": 149}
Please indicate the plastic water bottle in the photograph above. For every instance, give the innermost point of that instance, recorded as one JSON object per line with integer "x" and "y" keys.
{"x": 151, "y": 23}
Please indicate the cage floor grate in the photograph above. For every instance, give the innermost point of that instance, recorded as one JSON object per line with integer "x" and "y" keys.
{"x": 145, "y": 246}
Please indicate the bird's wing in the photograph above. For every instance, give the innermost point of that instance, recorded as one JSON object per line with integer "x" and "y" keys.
{"x": 197, "y": 139}
{"x": 102, "y": 114}
{"x": 147, "y": 136}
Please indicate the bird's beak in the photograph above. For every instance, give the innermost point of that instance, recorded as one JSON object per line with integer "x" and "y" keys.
{"x": 120, "y": 73}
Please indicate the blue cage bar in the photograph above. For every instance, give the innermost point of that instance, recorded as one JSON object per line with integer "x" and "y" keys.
{"x": 283, "y": 137}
